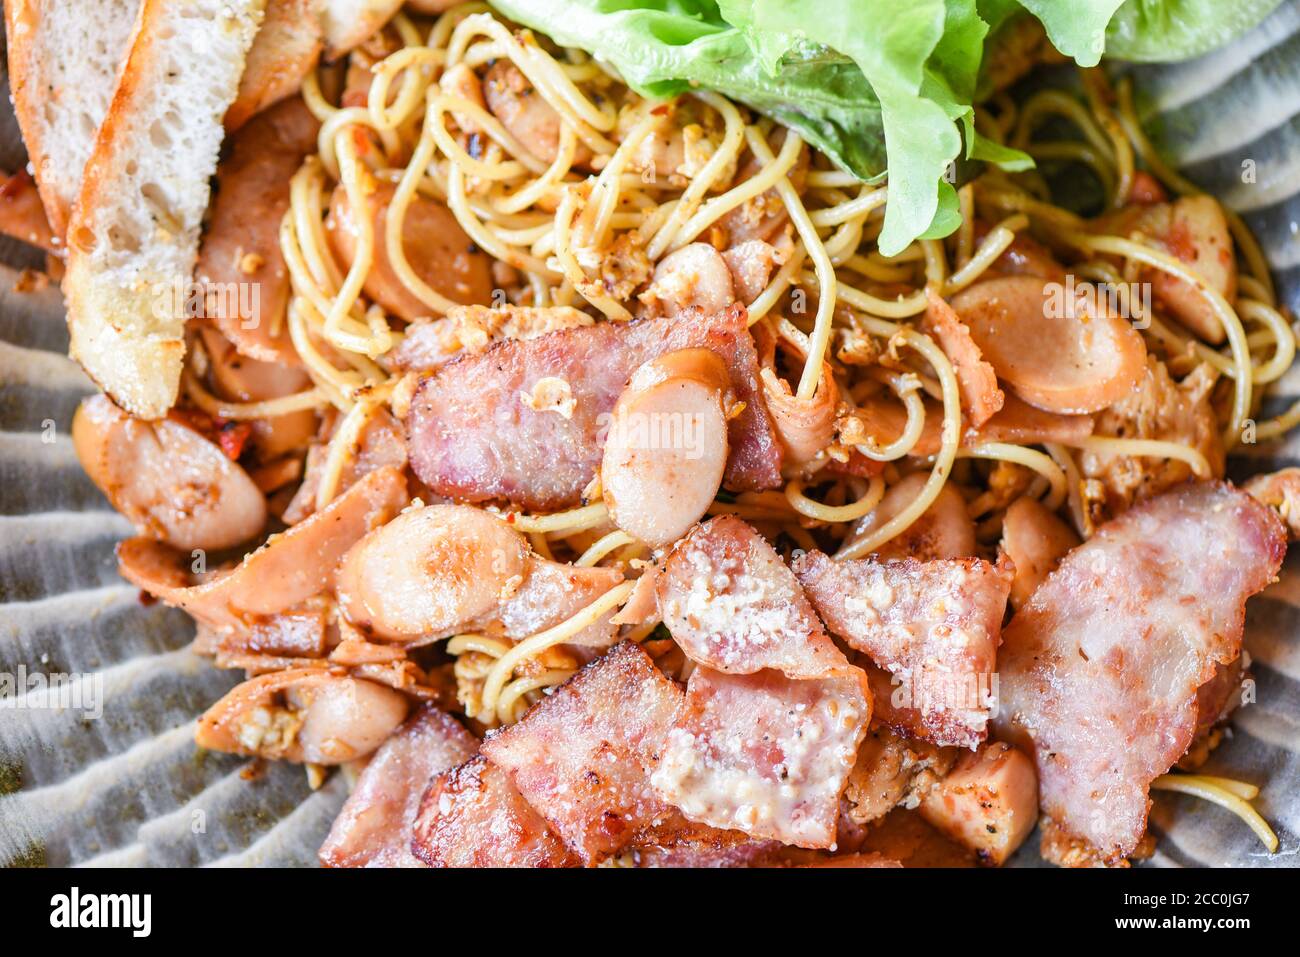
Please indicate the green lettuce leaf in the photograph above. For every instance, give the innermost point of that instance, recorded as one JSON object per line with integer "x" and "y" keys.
{"x": 885, "y": 98}
{"x": 1148, "y": 30}
{"x": 997, "y": 12}
{"x": 1168, "y": 30}
{"x": 920, "y": 57}
{"x": 1076, "y": 27}
{"x": 877, "y": 85}
{"x": 665, "y": 48}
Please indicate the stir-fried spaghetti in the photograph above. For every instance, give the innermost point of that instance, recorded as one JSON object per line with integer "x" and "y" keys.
{"x": 834, "y": 301}
{"x": 470, "y": 220}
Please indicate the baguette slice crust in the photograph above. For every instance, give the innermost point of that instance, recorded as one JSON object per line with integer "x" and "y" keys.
{"x": 134, "y": 234}
{"x": 64, "y": 57}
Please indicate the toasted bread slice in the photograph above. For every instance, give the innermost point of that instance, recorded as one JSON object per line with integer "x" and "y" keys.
{"x": 284, "y": 51}
{"x": 134, "y": 233}
{"x": 64, "y": 57}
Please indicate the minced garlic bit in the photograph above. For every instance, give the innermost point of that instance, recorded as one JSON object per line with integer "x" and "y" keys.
{"x": 550, "y": 394}
{"x": 250, "y": 263}
{"x": 269, "y": 730}
{"x": 471, "y": 669}
{"x": 857, "y": 348}
{"x": 851, "y": 430}
{"x": 316, "y": 774}
{"x": 402, "y": 394}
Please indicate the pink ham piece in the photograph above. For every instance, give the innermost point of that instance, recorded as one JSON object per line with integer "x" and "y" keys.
{"x": 472, "y": 438}
{"x": 1100, "y": 669}
{"x": 981, "y": 398}
{"x": 583, "y": 757}
{"x": 774, "y": 712}
{"x": 933, "y": 625}
{"x": 472, "y": 816}
{"x": 375, "y": 826}
{"x": 381, "y": 443}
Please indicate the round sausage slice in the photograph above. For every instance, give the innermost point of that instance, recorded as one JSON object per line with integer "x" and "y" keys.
{"x": 430, "y": 570}
{"x": 1036, "y": 540}
{"x": 436, "y": 248}
{"x": 303, "y": 714}
{"x": 1061, "y": 352}
{"x": 168, "y": 480}
{"x": 667, "y": 445}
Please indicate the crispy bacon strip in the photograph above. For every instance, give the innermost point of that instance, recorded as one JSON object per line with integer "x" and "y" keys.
{"x": 856, "y": 860}
{"x": 895, "y": 708}
{"x": 472, "y": 816}
{"x": 375, "y": 825}
{"x": 934, "y": 625}
{"x": 583, "y": 757}
{"x": 765, "y": 754}
{"x": 730, "y": 602}
{"x": 471, "y": 436}
{"x": 774, "y": 712}
{"x": 1100, "y": 670}
{"x": 684, "y": 844}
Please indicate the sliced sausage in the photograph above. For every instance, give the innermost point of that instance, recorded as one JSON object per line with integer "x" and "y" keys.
{"x": 667, "y": 446}
{"x": 167, "y": 479}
